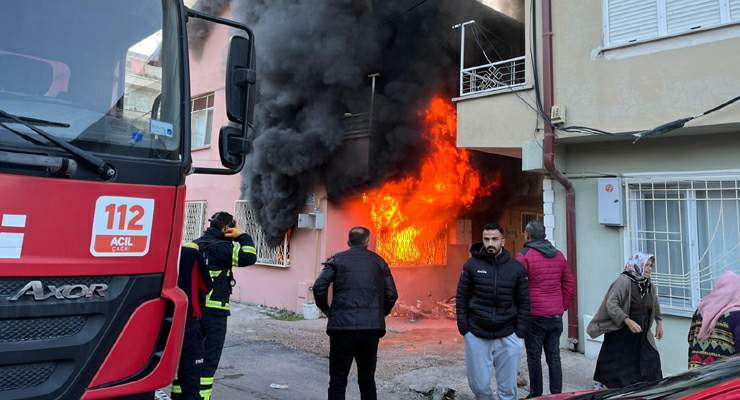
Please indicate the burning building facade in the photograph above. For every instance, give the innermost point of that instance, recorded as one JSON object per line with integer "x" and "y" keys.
{"x": 333, "y": 150}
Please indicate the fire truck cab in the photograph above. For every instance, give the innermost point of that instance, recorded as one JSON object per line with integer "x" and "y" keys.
{"x": 94, "y": 151}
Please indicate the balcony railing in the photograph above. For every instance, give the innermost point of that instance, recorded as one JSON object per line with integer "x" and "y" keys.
{"x": 493, "y": 77}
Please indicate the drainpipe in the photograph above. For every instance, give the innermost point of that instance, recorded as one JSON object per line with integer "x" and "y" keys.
{"x": 549, "y": 162}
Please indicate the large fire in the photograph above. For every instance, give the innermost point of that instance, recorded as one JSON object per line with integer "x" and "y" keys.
{"x": 411, "y": 214}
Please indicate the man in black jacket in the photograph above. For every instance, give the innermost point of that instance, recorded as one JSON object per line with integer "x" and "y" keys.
{"x": 363, "y": 295}
{"x": 492, "y": 313}
{"x": 222, "y": 248}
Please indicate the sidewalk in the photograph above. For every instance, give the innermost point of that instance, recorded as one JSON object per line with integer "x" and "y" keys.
{"x": 413, "y": 358}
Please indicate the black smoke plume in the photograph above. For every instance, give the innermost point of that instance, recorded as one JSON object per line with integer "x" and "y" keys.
{"x": 313, "y": 61}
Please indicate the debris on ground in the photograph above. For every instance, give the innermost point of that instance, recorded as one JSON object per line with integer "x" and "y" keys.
{"x": 413, "y": 312}
{"x": 438, "y": 392}
{"x": 448, "y": 307}
{"x": 278, "y": 386}
{"x": 443, "y": 393}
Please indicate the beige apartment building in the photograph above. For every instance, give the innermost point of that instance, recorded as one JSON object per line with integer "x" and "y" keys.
{"x": 615, "y": 69}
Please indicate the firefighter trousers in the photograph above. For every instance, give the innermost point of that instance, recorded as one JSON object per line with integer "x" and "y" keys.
{"x": 187, "y": 384}
{"x": 213, "y": 326}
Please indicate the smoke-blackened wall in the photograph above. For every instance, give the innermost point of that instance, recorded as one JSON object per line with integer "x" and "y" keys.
{"x": 313, "y": 59}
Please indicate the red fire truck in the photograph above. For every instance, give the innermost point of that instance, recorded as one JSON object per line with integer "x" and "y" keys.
{"x": 94, "y": 149}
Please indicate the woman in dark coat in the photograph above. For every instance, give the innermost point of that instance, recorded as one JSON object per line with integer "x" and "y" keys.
{"x": 628, "y": 354}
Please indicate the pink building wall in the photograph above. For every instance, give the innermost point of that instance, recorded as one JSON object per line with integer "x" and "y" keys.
{"x": 272, "y": 286}
{"x": 289, "y": 288}
{"x": 207, "y": 74}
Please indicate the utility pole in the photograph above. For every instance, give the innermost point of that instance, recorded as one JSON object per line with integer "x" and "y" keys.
{"x": 372, "y": 101}
{"x": 462, "y": 49}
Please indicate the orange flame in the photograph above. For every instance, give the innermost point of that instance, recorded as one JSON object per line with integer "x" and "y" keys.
{"x": 411, "y": 214}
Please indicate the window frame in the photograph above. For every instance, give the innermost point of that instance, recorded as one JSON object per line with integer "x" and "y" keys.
{"x": 208, "y": 108}
{"x": 629, "y": 239}
{"x": 725, "y": 21}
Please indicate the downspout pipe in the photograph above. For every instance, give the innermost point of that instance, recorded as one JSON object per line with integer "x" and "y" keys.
{"x": 553, "y": 171}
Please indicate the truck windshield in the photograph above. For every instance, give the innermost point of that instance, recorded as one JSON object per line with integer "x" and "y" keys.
{"x": 104, "y": 75}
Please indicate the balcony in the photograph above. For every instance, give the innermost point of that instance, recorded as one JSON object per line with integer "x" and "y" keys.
{"x": 495, "y": 77}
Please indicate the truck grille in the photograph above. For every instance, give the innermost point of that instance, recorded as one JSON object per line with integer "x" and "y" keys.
{"x": 24, "y": 376}
{"x": 26, "y": 329}
{"x": 52, "y": 348}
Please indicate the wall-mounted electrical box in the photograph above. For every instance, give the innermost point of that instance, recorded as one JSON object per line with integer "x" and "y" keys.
{"x": 611, "y": 202}
{"x": 557, "y": 115}
{"x": 532, "y": 159}
{"x": 315, "y": 220}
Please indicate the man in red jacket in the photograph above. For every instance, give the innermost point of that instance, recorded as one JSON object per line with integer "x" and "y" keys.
{"x": 551, "y": 289}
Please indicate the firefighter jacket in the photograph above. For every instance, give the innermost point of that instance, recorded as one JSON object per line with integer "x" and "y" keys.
{"x": 220, "y": 255}
{"x": 193, "y": 278}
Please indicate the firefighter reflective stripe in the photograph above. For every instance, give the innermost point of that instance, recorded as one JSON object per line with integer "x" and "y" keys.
{"x": 176, "y": 389}
{"x": 235, "y": 255}
{"x": 206, "y": 387}
{"x": 191, "y": 245}
{"x": 249, "y": 249}
{"x": 216, "y": 304}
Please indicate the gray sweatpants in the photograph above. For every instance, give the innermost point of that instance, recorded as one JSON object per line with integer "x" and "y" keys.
{"x": 502, "y": 354}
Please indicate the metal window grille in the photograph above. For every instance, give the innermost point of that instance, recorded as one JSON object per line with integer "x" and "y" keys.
{"x": 195, "y": 219}
{"x": 692, "y": 226}
{"x": 246, "y": 219}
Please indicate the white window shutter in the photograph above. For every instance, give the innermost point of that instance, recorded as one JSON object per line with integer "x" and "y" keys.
{"x": 630, "y": 21}
{"x": 734, "y": 10}
{"x": 687, "y": 15}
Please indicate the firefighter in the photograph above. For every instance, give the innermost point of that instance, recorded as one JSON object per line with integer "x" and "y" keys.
{"x": 222, "y": 248}
{"x": 193, "y": 278}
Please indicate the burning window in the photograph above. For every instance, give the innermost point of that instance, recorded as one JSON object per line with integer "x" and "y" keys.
{"x": 405, "y": 248}
{"x": 411, "y": 214}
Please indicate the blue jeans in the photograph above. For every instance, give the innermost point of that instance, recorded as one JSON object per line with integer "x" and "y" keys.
{"x": 481, "y": 355}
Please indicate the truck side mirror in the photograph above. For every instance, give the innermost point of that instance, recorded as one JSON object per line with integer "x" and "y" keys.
{"x": 241, "y": 77}
{"x": 240, "y": 96}
{"x": 232, "y": 147}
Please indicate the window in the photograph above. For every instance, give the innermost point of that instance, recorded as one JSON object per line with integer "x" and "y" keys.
{"x": 276, "y": 256}
{"x": 528, "y": 217}
{"x": 410, "y": 247}
{"x": 201, "y": 120}
{"x": 692, "y": 225}
{"x": 630, "y": 21}
{"x": 195, "y": 219}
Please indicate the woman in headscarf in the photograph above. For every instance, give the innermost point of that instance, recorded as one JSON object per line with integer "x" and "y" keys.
{"x": 625, "y": 317}
{"x": 715, "y": 328}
